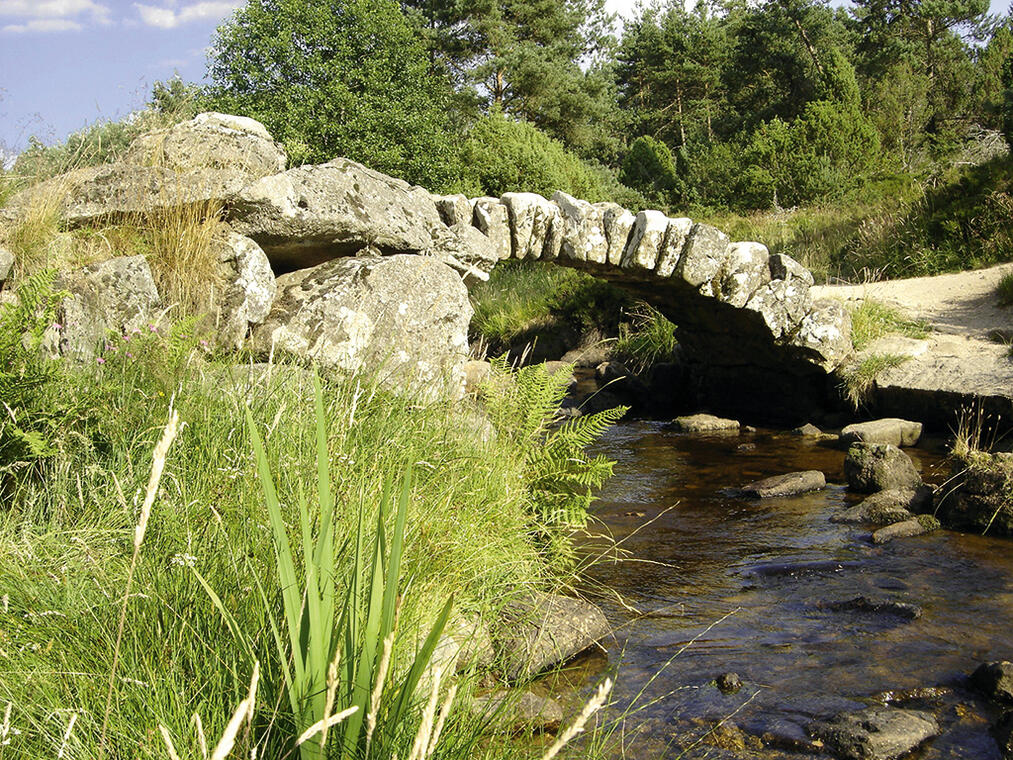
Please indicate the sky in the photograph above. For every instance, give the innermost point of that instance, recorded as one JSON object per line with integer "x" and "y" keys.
{"x": 67, "y": 63}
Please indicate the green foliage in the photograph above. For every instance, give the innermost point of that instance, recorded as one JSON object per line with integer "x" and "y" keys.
{"x": 520, "y": 297}
{"x": 561, "y": 476}
{"x": 327, "y": 624}
{"x": 502, "y": 154}
{"x": 650, "y": 168}
{"x": 1004, "y": 290}
{"x": 36, "y": 418}
{"x": 337, "y": 78}
{"x": 649, "y": 339}
{"x": 871, "y": 320}
{"x": 859, "y": 380}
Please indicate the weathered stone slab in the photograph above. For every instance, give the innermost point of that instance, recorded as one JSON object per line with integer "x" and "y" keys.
{"x": 404, "y": 318}
{"x": 454, "y": 209}
{"x": 118, "y": 295}
{"x": 531, "y": 218}
{"x": 916, "y": 526}
{"x": 891, "y": 430}
{"x": 314, "y": 213}
{"x": 618, "y": 223}
{"x": 825, "y": 331}
{"x": 493, "y": 219}
{"x": 465, "y": 249}
{"x": 249, "y": 293}
{"x": 876, "y": 733}
{"x": 784, "y": 267}
{"x": 705, "y": 251}
{"x": 791, "y": 484}
{"x": 871, "y": 467}
{"x": 745, "y": 270}
{"x": 581, "y": 231}
{"x": 645, "y": 241}
{"x": 539, "y": 630}
{"x": 783, "y": 304}
{"x": 671, "y": 250}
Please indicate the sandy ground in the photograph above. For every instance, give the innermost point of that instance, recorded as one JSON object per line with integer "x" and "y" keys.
{"x": 965, "y": 351}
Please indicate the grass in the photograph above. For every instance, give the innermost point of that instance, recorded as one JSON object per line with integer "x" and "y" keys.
{"x": 649, "y": 338}
{"x": 67, "y": 538}
{"x": 859, "y": 380}
{"x": 871, "y": 320}
{"x": 1004, "y": 290}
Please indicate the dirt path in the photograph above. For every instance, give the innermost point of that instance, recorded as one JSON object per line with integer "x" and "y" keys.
{"x": 965, "y": 356}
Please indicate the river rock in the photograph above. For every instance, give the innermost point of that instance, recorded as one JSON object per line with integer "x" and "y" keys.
{"x": 310, "y": 214}
{"x": 916, "y": 526}
{"x": 538, "y": 630}
{"x": 6, "y": 265}
{"x": 728, "y": 683}
{"x": 995, "y": 680}
{"x": 1002, "y": 730}
{"x": 871, "y": 467}
{"x": 404, "y": 318}
{"x": 249, "y": 292}
{"x": 887, "y": 507}
{"x": 117, "y": 295}
{"x": 904, "y": 610}
{"x": 892, "y": 430}
{"x": 464, "y": 644}
{"x": 808, "y": 430}
{"x": 493, "y": 220}
{"x": 704, "y": 423}
{"x": 791, "y": 484}
{"x": 518, "y": 711}
{"x": 208, "y": 159}
{"x": 876, "y": 733}
{"x": 981, "y": 494}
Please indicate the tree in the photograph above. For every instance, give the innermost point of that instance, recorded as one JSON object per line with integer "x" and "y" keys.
{"x": 337, "y": 78}
{"x": 542, "y": 61}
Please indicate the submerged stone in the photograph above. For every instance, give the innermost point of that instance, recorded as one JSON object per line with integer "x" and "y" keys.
{"x": 876, "y": 733}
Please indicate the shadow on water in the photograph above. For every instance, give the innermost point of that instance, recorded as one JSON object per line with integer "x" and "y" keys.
{"x": 757, "y": 587}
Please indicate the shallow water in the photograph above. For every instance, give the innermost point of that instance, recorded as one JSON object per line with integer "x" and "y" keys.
{"x": 722, "y": 584}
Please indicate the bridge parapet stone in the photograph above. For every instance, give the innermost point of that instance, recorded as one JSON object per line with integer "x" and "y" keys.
{"x": 645, "y": 241}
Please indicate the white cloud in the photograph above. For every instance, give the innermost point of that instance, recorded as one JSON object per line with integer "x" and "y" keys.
{"x": 43, "y": 25}
{"x": 169, "y": 17}
{"x": 52, "y": 15}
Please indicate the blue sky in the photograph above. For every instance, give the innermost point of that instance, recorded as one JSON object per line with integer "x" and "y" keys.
{"x": 67, "y": 63}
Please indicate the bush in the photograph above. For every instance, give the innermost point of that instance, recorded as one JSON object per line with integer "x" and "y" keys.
{"x": 343, "y": 78}
{"x": 502, "y": 155}
{"x": 650, "y": 168}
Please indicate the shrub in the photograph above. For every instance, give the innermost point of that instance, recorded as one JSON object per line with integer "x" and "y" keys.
{"x": 650, "y": 168}
{"x": 501, "y": 155}
{"x": 1004, "y": 290}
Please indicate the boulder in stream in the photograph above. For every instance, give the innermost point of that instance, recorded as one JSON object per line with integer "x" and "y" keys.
{"x": 916, "y": 526}
{"x": 704, "y": 423}
{"x": 892, "y": 430}
{"x": 995, "y": 680}
{"x": 518, "y": 711}
{"x": 538, "y": 630}
{"x": 876, "y": 733}
{"x": 791, "y": 484}
{"x": 888, "y": 507}
{"x": 871, "y": 467}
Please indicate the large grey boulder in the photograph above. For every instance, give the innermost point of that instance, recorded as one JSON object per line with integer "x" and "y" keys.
{"x": 538, "y": 630}
{"x": 891, "y": 430}
{"x": 206, "y": 160}
{"x": 493, "y": 219}
{"x": 6, "y": 265}
{"x": 618, "y": 224}
{"x": 308, "y": 215}
{"x": 703, "y": 257}
{"x": 888, "y": 507}
{"x": 239, "y": 147}
{"x": 876, "y": 733}
{"x": 403, "y": 318}
{"x": 672, "y": 248}
{"x": 249, "y": 292}
{"x": 531, "y": 219}
{"x": 581, "y": 230}
{"x": 646, "y": 239}
{"x": 465, "y": 249}
{"x": 871, "y": 467}
{"x": 113, "y": 296}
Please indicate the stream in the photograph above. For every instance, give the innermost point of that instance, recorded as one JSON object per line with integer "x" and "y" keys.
{"x": 711, "y": 583}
